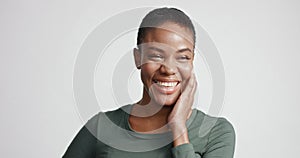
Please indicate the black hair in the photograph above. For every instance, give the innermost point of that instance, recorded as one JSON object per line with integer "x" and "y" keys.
{"x": 159, "y": 16}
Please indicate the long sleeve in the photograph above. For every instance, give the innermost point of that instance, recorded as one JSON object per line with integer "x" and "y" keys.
{"x": 84, "y": 143}
{"x": 184, "y": 151}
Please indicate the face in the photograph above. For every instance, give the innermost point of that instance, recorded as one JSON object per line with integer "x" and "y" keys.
{"x": 166, "y": 61}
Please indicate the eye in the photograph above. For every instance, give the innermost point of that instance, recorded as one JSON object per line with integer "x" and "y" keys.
{"x": 155, "y": 57}
{"x": 183, "y": 58}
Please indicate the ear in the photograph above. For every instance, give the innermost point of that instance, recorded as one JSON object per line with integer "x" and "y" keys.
{"x": 137, "y": 58}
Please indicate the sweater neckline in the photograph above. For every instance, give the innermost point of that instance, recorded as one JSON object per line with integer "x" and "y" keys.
{"x": 126, "y": 113}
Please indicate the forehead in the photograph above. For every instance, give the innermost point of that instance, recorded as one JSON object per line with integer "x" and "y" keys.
{"x": 171, "y": 35}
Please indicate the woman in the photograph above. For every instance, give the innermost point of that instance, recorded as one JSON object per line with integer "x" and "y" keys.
{"x": 163, "y": 123}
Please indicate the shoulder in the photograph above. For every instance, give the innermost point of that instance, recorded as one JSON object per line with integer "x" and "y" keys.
{"x": 223, "y": 125}
{"x": 210, "y": 126}
{"x": 213, "y": 135}
{"x": 114, "y": 115}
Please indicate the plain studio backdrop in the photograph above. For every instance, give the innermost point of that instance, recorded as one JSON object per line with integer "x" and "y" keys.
{"x": 258, "y": 42}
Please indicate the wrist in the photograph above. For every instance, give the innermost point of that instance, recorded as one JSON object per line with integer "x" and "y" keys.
{"x": 180, "y": 137}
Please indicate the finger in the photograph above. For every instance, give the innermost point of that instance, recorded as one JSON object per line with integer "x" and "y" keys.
{"x": 190, "y": 91}
{"x": 190, "y": 85}
{"x": 194, "y": 84}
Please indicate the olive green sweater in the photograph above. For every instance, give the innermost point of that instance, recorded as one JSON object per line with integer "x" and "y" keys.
{"x": 109, "y": 135}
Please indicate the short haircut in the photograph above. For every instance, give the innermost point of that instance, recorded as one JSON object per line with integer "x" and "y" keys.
{"x": 159, "y": 16}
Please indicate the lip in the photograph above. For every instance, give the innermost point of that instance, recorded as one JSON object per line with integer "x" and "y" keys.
{"x": 167, "y": 90}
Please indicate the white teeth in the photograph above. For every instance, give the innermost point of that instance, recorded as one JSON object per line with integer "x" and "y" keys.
{"x": 167, "y": 84}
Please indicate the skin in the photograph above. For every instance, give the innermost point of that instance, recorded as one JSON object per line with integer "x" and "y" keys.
{"x": 166, "y": 55}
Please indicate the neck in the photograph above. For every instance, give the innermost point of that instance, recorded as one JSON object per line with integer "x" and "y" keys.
{"x": 147, "y": 108}
{"x": 149, "y": 116}
{"x": 150, "y": 110}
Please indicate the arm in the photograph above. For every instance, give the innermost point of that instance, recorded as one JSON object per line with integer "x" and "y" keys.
{"x": 177, "y": 121}
{"x": 221, "y": 139}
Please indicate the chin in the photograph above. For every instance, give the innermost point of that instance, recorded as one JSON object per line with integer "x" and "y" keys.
{"x": 166, "y": 100}
{"x": 161, "y": 98}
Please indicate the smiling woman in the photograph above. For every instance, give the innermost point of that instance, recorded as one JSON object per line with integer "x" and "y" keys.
{"x": 164, "y": 55}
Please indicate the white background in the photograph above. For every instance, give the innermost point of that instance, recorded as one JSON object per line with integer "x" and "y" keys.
{"x": 258, "y": 42}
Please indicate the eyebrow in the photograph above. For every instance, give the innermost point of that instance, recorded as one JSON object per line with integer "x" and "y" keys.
{"x": 184, "y": 49}
{"x": 156, "y": 49}
{"x": 178, "y": 51}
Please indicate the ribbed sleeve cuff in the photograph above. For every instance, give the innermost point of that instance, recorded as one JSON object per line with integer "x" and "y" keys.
{"x": 183, "y": 151}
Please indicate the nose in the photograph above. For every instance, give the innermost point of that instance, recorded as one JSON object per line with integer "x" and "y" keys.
{"x": 168, "y": 67}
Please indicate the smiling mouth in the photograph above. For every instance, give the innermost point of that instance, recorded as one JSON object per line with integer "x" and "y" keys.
{"x": 166, "y": 87}
{"x": 166, "y": 84}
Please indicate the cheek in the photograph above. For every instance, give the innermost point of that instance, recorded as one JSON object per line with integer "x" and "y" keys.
{"x": 186, "y": 71}
{"x": 148, "y": 70}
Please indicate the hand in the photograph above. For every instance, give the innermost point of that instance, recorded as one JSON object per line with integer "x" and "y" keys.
{"x": 182, "y": 110}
